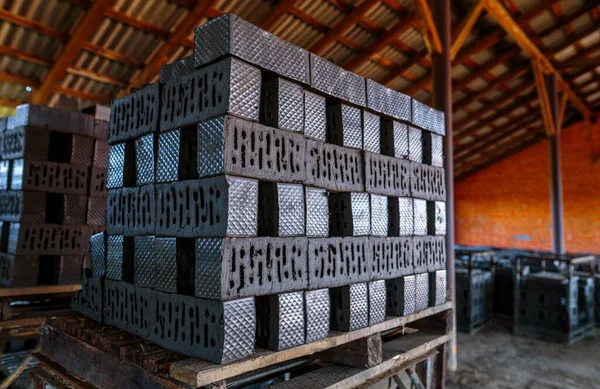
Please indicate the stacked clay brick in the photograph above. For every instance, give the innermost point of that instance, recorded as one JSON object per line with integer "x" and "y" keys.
{"x": 52, "y": 194}
{"x": 260, "y": 196}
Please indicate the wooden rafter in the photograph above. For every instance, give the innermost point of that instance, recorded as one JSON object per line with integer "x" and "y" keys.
{"x": 96, "y": 76}
{"x": 4, "y": 102}
{"x": 20, "y": 80}
{"x": 579, "y": 61}
{"x": 465, "y": 27}
{"x": 88, "y": 24}
{"x": 542, "y": 90}
{"x": 83, "y": 95}
{"x": 22, "y": 55}
{"x": 281, "y": 8}
{"x": 172, "y": 44}
{"x": 428, "y": 27}
{"x": 111, "y": 54}
{"x": 505, "y": 19}
{"x": 348, "y": 21}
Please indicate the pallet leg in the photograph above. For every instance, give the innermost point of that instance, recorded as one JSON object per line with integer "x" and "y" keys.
{"x": 366, "y": 352}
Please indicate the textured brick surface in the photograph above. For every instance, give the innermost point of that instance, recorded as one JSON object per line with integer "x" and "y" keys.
{"x": 281, "y": 210}
{"x": 427, "y": 182}
{"x": 391, "y": 257}
{"x": 349, "y": 307}
{"x": 344, "y": 126}
{"x": 131, "y": 211}
{"x": 401, "y": 293}
{"x": 282, "y": 105}
{"x": 387, "y": 175}
{"x": 280, "y": 321}
{"x": 47, "y": 239}
{"x": 134, "y": 115}
{"x": 49, "y": 177}
{"x": 334, "y": 167}
{"x": 349, "y": 214}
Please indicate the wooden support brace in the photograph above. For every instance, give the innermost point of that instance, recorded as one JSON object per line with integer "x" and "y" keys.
{"x": 428, "y": 27}
{"x": 465, "y": 27}
{"x": 540, "y": 84}
{"x": 365, "y": 352}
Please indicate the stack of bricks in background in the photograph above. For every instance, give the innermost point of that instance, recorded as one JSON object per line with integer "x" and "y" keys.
{"x": 52, "y": 193}
{"x": 261, "y": 196}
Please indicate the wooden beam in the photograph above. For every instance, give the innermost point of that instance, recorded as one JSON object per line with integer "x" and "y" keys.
{"x": 5, "y": 102}
{"x": 348, "y": 21}
{"x": 32, "y": 25}
{"x": 96, "y": 76}
{"x": 428, "y": 27}
{"x": 16, "y": 79}
{"x": 172, "y": 44}
{"x": 542, "y": 90}
{"x": 504, "y": 18}
{"x": 88, "y": 24}
{"x": 394, "y": 32}
{"x": 579, "y": 61}
{"x": 488, "y": 66}
{"x": 22, "y": 55}
{"x": 136, "y": 23}
{"x": 111, "y": 54}
{"x": 465, "y": 27}
{"x": 83, "y": 95}
{"x": 281, "y": 8}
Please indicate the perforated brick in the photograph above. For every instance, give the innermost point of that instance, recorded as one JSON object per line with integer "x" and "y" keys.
{"x": 118, "y": 299}
{"x": 236, "y": 267}
{"x": 316, "y": 314}
{"x": 40, "y": 116}
{"x": 215, "y": 206}
{"x": 235, "y": 146}
{"x": 437, "y": 287}
{"x": 282, "y": 105}
{"x": 145, "y": 159}
{"x": 379, "y": 215}
{"x": 428, "y": 118}
{"x": 420, "y": 253}
{"x": 394, "y": 139}
{"x": 436, "y": 217}
{"x": 46, "y": 239}
{"x": 227, "y": 86}
{"x": 315, "y": 116}
{"x": 427, "y": 182}
{"x": 28, "y": 207}
{"x": 18, "y": 271}
{"x": 177, "y": 69}
{"x": 387, "y": 175}
{"x": 435, "y": 252}
{"x": 388, "y": 101}
{"x": 391, "y": 257}
{"x": 377, "y": 304}
{"x": 344, "y": 126}
{"x": 371, "y": 132}
{"x": 338, "y": 261}
{"x": 317, "y": 212}
{"x": 88, "y": 301}
{"x": 401, "y": 293}
{"x": 349, "y": 307}
{"x": 231, "y": 35}
{"x": 49, "y": 177}
{"x": 134, "y": 115}
{"x": 330, "y": 78}
{"x": 131, "y": 211}
{"x": 280, "y": 321}
{"x": 98, "y": 250}
{"x": 349, "y": 214}
{"x": 334, "y": 167}
{"x": 26, "y": 142}
{"x": 281, "y": 209}
{"x": 98, "y": 181}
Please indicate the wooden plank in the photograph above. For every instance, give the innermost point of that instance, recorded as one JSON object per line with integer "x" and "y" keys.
{"x": 465, "y": 27}
{"x": 25, "y": 56}
{"x": 88, "y": 24}
{"x": 32, "y": 25}
{"x": 196, "y": 372}
{"x": 428, "y": 27}
{"x": 20, "y": 80}
{"x": 365, "y": 352}
{"x": 280, "y": 9}
{"x": 39, "y": 290}
{"x": 97, "y": 367}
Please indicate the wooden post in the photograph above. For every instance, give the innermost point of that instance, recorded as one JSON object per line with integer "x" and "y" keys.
{"x": 365, "y": 352}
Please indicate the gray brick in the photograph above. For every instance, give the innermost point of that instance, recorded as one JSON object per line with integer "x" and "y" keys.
{"x": 391, "y": 257}
{"x": 235, "y": 146}
{"x": 401, "y": 293}
{"x": 46, "y": 239}
{"x": 394, "y": 139}
{"x": 377, "y": 302}
{"x": 330, "y": 78}
{"x": 422, "y": 291}
{"x": 18, "y": 271}
{"x": 315, "y": 116}
{"x": 49, "y": 177}
{"x": 88, "y": 301}
{"x": 98, "y": 178}
{"x": 371, "y": 132}
{"x": 387, "y": 175}
{"x": 350, "y": 214}
{"x": 317, "y": 212}
{"x": 388, "y": 101}
{"x": 282, "y": 105}
{"x": 33, "y": 115}
{"x": 379, "y": 215}
{"x": 316, "y": 314}
{"x": 98, "y": 250}
{"x": 334, "y": 167}
{"x": 280, "y": 321}
{"x": 134, "y": 115}
{"x": 437, "y": 288}
{"x": 427, "y": 182}
{"x": 281, "y": 210}
{"x": 344, "y": 126}
{"x": 428, "y": 118}
{"x": 349, "y": 307}
{"x": 436, "y": 217}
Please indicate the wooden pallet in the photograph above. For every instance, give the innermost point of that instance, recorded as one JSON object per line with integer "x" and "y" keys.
{"x": 107, "y": 357}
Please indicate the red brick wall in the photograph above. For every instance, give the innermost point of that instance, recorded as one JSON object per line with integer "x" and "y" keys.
{"x": 508, "y": 203}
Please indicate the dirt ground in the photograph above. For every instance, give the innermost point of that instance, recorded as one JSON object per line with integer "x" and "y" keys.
{"x": 494, "y": 358}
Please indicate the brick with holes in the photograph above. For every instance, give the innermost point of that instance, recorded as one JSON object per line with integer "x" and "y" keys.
{"x": 135, "y": 115}
{"x": 334, "y": 167}
{"x": 338, "y": 261}
{"x": 230, "y": 268}
{"x": 214, "y": 206}
{"x": 391, "y": 257}
{"x": 231, "y": 145}
{"x": 427, "y": 182}
{"x": 387, "y": 176}
{"x": 49, "y": 177}
{"x": 228, "y": 86}
{"x": 436, "y": 217}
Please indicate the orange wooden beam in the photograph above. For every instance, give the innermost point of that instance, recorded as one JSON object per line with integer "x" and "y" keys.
{"x": 96, "y": 76}
{"x": 83, "y": 95}
{"x": 540, "y": 84}
{"x": 172, "y": 44}
{"x": 428, "y": 27}
{"x": 111, "y": 54}
{"x": 89, "y": 23}
{"x": 281, "y": 8}
{"x": 9, "y": 102}
{"x": 505, "y": 19}
{"x": 136, "y": 23}
{"x": 22, "y": 55}
{"x": 32, "y": 25}
{"x": 16, "y": 79}
{"x": 465, "y": 27}
{"x": 348, "y": 21}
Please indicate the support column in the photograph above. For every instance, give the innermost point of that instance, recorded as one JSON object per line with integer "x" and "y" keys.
{"x": 442, "y": 100}
{"x": 556, "y": 195}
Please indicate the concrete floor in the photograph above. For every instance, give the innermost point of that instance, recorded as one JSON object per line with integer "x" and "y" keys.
{"x": 494, "y": 358}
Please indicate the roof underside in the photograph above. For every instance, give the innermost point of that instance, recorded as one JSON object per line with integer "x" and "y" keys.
{"x": 496, "y": 109}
